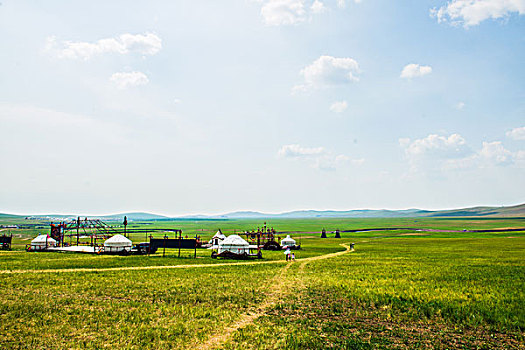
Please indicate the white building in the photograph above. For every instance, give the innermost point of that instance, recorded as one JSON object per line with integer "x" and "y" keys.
{"x": 117, "y": 244}
{"x": 42, "y": 242}
{"x": 216, "y": 239}
{"x": 234, "y": 244}
{"x": 288, "y": 242}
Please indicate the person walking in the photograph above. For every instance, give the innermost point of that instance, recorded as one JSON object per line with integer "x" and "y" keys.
{"x": 287, "y": 253}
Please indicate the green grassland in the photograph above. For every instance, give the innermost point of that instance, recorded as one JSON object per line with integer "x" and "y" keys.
{"x": 398, "y": 289}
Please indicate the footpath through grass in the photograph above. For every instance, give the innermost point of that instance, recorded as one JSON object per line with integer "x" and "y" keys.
{"x": 403, "y": 293}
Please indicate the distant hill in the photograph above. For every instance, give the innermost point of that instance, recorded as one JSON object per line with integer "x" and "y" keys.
{"x": 9, "y": 216}
{"x": 135, "y": 216}
{"x": 138, "y": 216}
{"x": 510, "y": 211}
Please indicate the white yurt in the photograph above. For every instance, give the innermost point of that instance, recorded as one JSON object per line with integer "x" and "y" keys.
{"x": 234, "y": 244}
{"x": 42, "y": 242}
{"x": 217, "y": 238}
{"x": 117, "y": 243}
{"x": 288, "y": 242}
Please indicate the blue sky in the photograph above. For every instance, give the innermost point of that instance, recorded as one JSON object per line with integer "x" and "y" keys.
{"x": 181, "y": 107}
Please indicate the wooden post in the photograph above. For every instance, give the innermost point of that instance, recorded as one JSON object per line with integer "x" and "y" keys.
{"x": 164, "y": 248}
{"x": 78, "y": 227}
{"x": 180, "y": 240}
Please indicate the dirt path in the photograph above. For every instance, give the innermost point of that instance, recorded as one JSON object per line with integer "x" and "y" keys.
{"x": 279, "y": 287}
{"x": 162, "y": 267}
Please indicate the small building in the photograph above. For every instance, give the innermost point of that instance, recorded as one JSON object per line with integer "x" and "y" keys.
{"x": 117, "y": 244}
{"x": 217, "y": 238}
{"x": 234, "y": 244}
{"x": 42, "y": 242}
{"x": 288, "y": 242}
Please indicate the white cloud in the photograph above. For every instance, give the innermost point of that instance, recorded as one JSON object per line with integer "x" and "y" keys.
{"x": 435, "y": 146}
{"x": 414, "y": 70}
{"x": 124, "y": 80}
{"x": 342, "y": 3}
{"x": 473, "y": 12}
{"x": 328, "y": 71}
{"x": 434, "y": 154}
{"x": 144, "y": 44}
{"x": 317, "y": 157}
{"x": 517, "y": 133}
{"x": 339, "y": 106}
{"x": 317, "y": 7}
{"x": 283, "y": 12}
{"x": 460, "y": 106}
{"x": 493, "y": 153}
{"x": 297, "y": 151}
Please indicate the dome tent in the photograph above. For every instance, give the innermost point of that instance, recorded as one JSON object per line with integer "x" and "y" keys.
{"x": 234, "y": 244}
{"x": 42, "y": 242}
{"x": 116, "y": 244}
{"x": 288, "y": 241}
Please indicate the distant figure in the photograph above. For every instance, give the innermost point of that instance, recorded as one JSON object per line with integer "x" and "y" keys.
{"x": 287, "y": 254}
{"x": 352, "y": 247}
{"x": 293, "y": 256}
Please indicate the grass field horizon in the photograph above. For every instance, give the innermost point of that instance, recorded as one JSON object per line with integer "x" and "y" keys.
{"x": 398, "y": 289}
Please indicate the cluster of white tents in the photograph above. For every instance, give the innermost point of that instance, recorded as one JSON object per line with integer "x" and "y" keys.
{"x": 114, "y": 244}
{"x": 238, "y": 245}
{"x": 120, "y": 244}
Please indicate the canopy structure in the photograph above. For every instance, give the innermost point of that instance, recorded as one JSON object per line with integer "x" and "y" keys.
{"x": 288, "y": 241}
{"x": 42, "y": 242}
{"x": 117, "y": 243}
{"x": 234, "y": 244}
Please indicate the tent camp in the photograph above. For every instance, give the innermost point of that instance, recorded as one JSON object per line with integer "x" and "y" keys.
{"x": 42, "y": 242}
{"x": 217, "y": 238}
{"x": 288, "y": 242}
{"x": 234, "y": 244}
{"x": 117, "y": 244}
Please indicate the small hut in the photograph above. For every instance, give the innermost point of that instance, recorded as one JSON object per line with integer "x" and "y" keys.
{"x": 42, "y": 242}
{"x": 117, "y": 244}
{"x": 234, "y": 244}
{"x": 288, "y": 242}
{"x": 217, "y": 238}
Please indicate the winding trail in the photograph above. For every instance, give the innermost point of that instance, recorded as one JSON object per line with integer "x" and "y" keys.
{"x": 163, "y": 267}
{"x": 279, "y": 287}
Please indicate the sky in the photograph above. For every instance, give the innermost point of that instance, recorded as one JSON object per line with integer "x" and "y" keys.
{"x": 206, "y": 107}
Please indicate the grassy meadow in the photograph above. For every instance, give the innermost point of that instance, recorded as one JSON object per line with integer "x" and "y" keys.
{"x": 399, "y": 289}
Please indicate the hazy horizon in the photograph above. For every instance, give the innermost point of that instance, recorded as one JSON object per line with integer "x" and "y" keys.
{"x": 245, "y": 210}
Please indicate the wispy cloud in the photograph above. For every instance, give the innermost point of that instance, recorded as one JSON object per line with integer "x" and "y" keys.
{"x": 124, "y": 80}
{"x": 328, "y": 71}
{"x": 283, "y": 12}
{"x": 517, "y": 133}
{"x": 144, "y": 44}
{"x": 436, "y": 153}
{"x": 339, "y": 106}
{"x": 473, "y": 12}
{"x": 414, "y": 70}
{"x": 317, "y": 157}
